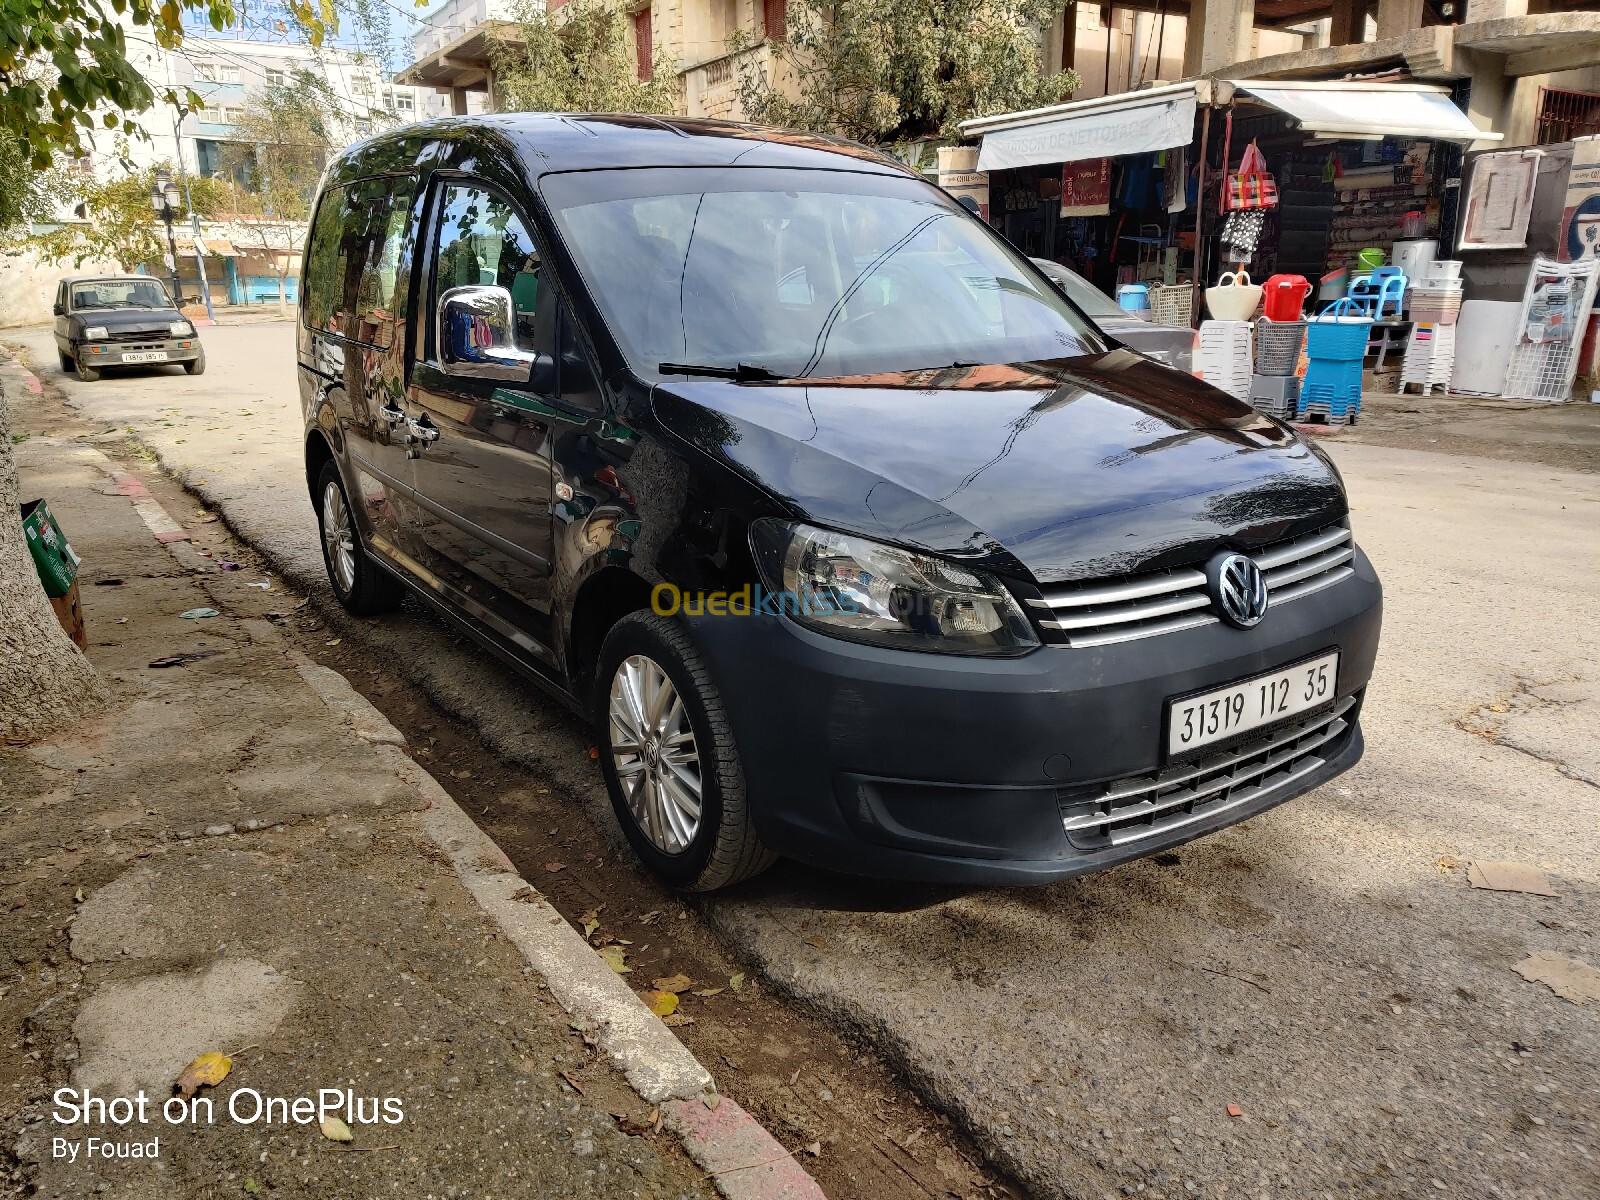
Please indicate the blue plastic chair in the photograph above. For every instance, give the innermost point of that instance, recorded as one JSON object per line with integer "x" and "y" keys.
{"x": 1373, "y": 292}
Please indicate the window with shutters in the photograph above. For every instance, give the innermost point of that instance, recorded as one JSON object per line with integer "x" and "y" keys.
{"x": 643, "y": 48}
{"x": 775, "y": 19}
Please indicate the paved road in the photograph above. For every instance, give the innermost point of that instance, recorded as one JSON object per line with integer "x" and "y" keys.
{"x": 1326, "y": 967}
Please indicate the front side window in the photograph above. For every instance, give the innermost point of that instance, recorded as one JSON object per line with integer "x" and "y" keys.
{"x": 98, "y": 295}
{"x": 482, "y": 242}
{"x": 804, "y": 273}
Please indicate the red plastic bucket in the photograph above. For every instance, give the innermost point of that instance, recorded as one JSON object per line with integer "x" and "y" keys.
{"x": 1285, "y": 296}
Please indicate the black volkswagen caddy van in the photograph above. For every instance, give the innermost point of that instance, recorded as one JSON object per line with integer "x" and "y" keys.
{"x": 857, "y": 542}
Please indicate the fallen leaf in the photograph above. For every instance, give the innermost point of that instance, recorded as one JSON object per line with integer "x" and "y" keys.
{"x": 77, "y": 896}
{"x": 706, "y": 992}
{"x": 662, "y": 1003}
{"x": 210, "y": 1069}
{"x": 333, "y": 641}
{"x": 1235, "y": 1111}
{"x": 526, "y": 895}
{"x": 571, "y": 1082}
{"x": 673, "y": 983}
{"x": 814, "y": 1149}
{"x": 1509, "y": 877}
{"x": 553, "y": 867}
{"x": 677, "y": 1019}
{"x": 336, "y": 1130}
{"x": 736, "y": 980}
{"x": 816, "y": 942}
{"x": 590, "y": 922}
{"x": 711, "y": 1100}
{"x": 1570, "y": 978}
{"x": 616, "y": 958}
{"x": 631, "y": 1127}
{"x": 252, "y": 1186}
{"x": 650, "y": 917}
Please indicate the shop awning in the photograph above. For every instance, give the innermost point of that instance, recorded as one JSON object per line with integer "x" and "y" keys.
{"x": 1368, "y": 110}
{"x": 1156, "y": 118}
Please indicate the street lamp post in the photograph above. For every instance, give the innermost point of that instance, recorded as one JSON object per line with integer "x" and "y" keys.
{"x": 164, "y": 198}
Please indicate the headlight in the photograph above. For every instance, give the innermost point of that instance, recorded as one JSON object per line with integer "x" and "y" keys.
{"x": 181, "y": 329}
{"x": 855, "y": 588}
{"x": 94, "y": 332}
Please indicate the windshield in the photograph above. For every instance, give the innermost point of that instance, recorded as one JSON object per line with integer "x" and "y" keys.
{"x": 1079, "y": 290}
{"x": 119, "y": 293}
{"x": 803, "y": 273}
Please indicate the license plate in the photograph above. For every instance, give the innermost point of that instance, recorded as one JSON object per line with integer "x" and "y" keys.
{"x": 144, "y": 356}
{"x": 1214, "y": 716}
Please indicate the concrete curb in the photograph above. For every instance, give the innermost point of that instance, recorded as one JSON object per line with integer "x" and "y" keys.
{"x": 743, "y": 1159}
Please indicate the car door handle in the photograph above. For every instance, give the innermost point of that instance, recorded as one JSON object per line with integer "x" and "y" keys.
{"x": 420, "y": 434}
{"x": 391, "y": 413}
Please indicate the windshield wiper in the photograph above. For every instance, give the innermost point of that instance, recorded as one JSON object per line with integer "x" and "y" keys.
{"x": 744, "y": 372}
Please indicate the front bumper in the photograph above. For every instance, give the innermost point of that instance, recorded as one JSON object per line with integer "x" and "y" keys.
{"x": 128, "y": 354}
{"x": 966, "y": 770}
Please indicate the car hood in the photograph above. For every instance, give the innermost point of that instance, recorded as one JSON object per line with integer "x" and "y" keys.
{"x": 1071, "y": 469}
{"x": 131, "y": 320}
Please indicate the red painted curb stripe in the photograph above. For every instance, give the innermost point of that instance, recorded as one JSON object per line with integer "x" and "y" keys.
{"x": 746, "y": 1161}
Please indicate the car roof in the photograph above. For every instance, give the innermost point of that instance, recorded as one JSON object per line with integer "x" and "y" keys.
{"x": 545, "y": 143}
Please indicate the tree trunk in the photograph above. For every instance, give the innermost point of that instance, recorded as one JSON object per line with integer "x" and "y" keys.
{"x": 45, "y": 681}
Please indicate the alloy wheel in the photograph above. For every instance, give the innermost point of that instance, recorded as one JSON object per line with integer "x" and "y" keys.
{"x": 654, "y": 753}
{"x": 338, "y": 537}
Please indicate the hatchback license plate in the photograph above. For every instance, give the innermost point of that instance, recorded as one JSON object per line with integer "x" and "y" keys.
{"x": 145, "y": 356}
{"x": 1197, "y": 721}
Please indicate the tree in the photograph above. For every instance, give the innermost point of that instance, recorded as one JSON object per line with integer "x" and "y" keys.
{"x": 281, "y": 143}
{"x": 121, "y": 226}
{"x": 45, "y": 681}
{"x": 889, "y": 71}
{"x": 578, "y": 58}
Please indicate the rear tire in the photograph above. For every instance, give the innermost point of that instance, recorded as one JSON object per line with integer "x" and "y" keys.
{"x": 681, "y": 753}
{"x": 67, "y": 365}
{"x": 359, "y": 584}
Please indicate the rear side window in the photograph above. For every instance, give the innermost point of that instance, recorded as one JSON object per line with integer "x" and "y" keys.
{"x": 352, "y": 279}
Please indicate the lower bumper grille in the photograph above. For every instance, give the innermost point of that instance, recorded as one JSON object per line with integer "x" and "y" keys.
{"x": 1128, "y": 810}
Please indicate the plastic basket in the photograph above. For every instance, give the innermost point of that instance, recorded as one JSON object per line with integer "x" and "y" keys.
{"x": 1172, "y": 304}
{"x": 1339, "y": 332}
{"x": 1275, "y": 395}
{"x": 1278, "y": 346}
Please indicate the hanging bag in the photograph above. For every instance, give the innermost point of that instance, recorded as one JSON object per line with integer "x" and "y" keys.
{"x": 1252, "y": 185}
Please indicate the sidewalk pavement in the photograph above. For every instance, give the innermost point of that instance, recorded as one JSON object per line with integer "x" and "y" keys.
{"x": 241, "y": 857}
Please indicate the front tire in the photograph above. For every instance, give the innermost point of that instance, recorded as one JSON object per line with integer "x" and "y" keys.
{"x": 67, "y": 365}
{"x": 669, "y": 758}
{"x": 85, "y": 374}
{"x": 196, "y": 366}
{"x": 359, "y": 584}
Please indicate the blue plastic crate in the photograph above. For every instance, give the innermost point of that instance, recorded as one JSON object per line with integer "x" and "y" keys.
{"x": 1338, "y": 333}
{"x": 1333, "y": 379}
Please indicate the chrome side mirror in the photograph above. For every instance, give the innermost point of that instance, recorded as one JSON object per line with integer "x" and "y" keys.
{"x": 478, "y": 335}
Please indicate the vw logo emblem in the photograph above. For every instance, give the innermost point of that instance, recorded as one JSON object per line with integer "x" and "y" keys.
{"x": 1238, "y": 588}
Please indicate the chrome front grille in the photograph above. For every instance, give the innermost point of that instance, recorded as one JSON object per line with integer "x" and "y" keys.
{"x": 1098, "y": 614}
{"x": 1144, "y": 806}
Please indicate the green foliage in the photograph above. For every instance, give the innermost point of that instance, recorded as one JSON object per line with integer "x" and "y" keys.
{"x": 280, "y": 144}
{"x": 578, "y": 59}
{"x": 122, "y": 227}
{"x": 27, "y": 197}
{"x": 64, "y": 64}
{"x": 889, "y": 71}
